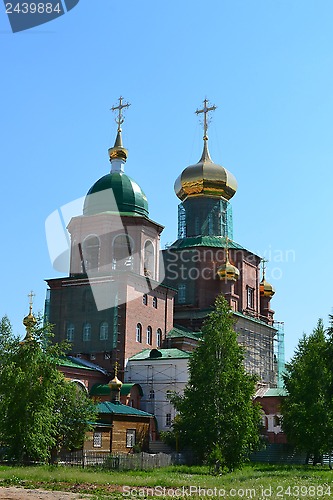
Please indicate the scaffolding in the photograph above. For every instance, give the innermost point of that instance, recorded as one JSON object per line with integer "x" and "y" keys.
{"x": 279, "y": 352}
{"x": 205, "y": 217}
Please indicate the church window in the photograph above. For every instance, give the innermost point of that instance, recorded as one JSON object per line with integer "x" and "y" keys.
{"x": 70, "y": 332}
{"x": 104, "y": 331}
{"x": 97, "y": 440}
{"x": 149, "y": 335}
{"x": 123, "y": 247}
{"x": 152, "y": 394}
{"x": 130, "y": 438}
{"x": 155, "y": 302}
{"x": 139, "y": 332}
{"x": 250, "y": 297}
{"x": 144, "y": 299}
{"x": 168, "y": 420}
{"x": 86, "y": 333}
{"x": 91, "y": 248}
{"x": 149, "y": 259}
{"x": 158, "y": 337}
{"x": 181, "y": 293}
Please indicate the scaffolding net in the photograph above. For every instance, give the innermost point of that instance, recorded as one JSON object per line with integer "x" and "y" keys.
{"x": 205, "y": 217}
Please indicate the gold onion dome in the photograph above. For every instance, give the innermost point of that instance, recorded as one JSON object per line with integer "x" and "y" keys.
{"x": 266, "y": 289}
{"x": 115, "y": 384}
{"x": 228, "y": 272}
{"x": 118, "y": 152}
{"x": 205, "y": 178}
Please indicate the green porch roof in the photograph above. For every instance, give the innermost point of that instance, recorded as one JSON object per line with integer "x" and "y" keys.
{"x": 106, "y": 407}
{"x": 179, "y": 331}
{"x": 104, "y": 389}
{"x": 69, "y": 363}
{"x": 164, "y": 354}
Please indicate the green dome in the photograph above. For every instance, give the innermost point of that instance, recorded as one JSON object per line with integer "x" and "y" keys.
{"x": 129, "y": 197}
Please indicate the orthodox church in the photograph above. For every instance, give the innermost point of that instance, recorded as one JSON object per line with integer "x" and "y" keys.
{"x": 117, "y": 305}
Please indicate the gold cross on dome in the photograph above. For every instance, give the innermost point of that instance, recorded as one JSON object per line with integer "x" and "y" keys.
{"x": 205, "y": 110}
{"x": 31, "y": 296}
{"x": 120, "y": 118}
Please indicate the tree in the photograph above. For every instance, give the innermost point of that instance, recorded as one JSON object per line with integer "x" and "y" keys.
{"x": 217, "y": 417}
{"x": 307, "y": 410}
{"x": 40, "y": 411}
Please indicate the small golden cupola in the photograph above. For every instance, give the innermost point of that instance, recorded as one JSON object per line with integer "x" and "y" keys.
{"x": 266, "y": 289}
{"x": 115, "y": 385}
{"x": 30, "y": 320}
{"x": 228, "y": 272}
{"x": 205, "y": 178}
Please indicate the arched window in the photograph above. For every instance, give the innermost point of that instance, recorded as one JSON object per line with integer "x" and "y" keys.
{"x": 149, "y": 335}
{"x": 86, "y": 332}
{"x": 158, "y": 337}
{"x": 122, "y": 255}
{"x": 152, "y": 394}
{"x": 91, "y": 247}
{"x": 70, "y": 332}
{"x": 103, "y": 331}
{"x": 144, "y": 299}
{"x": 139, "y": 332}
{"x": 181, "y": 293}
{"x": 149, "y": 259}
{"x": 155, "y": 302}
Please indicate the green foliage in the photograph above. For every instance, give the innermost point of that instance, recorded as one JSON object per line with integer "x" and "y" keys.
{"x": 217, "y": 415}
{"x": 308, "y": 409}
{"x": 40, "y": 411}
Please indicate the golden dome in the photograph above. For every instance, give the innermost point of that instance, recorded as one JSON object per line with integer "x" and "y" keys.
{"x": 266, "y": 289}
{"x": 118, "y": 152}
{"x": 228, "y": 272}
{"x": 115, "y": 384}
{"x": 205, "y": 178}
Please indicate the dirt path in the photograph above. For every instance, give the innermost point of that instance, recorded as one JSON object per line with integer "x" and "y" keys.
{"x": 12, "y": 493}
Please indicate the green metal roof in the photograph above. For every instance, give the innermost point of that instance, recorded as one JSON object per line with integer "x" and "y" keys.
{"x": 255, "y": 320}
{"x": 106, "y": 407}
{"x": 62, "y": 361}
{"x": 166, "y": 354}
{"x": 204, "y": 241}
{"x": 275, "y": 391}
{"x": 128, "y": 195}
{"x": 179, "y": 331}
{"x": 104, "y": 389}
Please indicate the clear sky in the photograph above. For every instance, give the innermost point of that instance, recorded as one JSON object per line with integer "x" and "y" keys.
{"x": 266, "y": 64}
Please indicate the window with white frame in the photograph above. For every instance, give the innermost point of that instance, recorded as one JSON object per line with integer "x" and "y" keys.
{"x": 97, "y": 440}
{"x": 158, "y": 337}
{"x": 250, "y": 297}
{"x": 149, "y": 335}
{"x": 139, "y": 332}
{"x": 145, "y": 299}
{"x": 155, "y": 302}
{"x": 130, "y": 438}
{"x": 168, "y": 420}
{"x": 70, "y": 332}
{"x": 103, "y": 331}
{"x": 86, "y": 332}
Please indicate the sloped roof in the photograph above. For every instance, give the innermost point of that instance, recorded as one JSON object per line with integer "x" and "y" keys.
{"x": 165, "y": 354}
{"x": 72, "y": 363}
{"x": 179, "y": 331}
{"x": 106, "y": 407}
{"x": 265, "y": 392}
{"x": 205, "y": 241}
{"x": 104, "y": 389}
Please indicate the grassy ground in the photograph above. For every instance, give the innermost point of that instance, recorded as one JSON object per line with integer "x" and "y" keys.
{"x": 253, "y": 481}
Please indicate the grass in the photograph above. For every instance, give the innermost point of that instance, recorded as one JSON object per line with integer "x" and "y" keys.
{"x": 253, "y": 481}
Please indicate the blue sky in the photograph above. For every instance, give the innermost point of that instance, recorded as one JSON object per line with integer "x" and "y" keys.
{"x": 266, "y": 64}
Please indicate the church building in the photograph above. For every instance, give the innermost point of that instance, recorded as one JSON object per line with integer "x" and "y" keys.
{"x": 115, "y": 303}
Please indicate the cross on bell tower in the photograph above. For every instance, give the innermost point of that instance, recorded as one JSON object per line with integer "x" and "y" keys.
{"x": 120, "y": 118}
{"x": 205, "y": 110}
